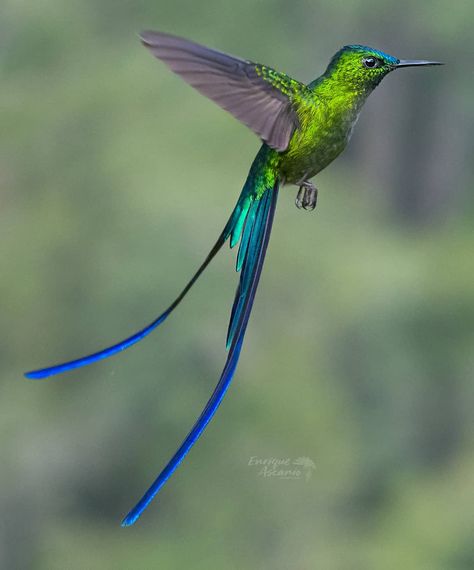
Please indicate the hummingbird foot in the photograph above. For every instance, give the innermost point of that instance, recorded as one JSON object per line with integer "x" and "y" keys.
{"x": 307, "y": 196}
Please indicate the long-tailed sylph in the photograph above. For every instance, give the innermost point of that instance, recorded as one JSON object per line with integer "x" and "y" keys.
{"x": 303, "y": 129}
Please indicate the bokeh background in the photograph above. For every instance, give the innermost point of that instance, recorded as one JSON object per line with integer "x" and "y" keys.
{"x": 115, "y": 179}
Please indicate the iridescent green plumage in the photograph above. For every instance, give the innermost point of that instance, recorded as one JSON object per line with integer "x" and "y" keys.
{"x": 327, "y": 110}
{"x": 303, "y": 129}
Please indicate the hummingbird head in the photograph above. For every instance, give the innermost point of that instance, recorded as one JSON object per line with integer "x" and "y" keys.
{"x": 363, "y": 68}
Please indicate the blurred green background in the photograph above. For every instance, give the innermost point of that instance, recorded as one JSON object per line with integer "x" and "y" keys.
{"x": 359, "y": 354}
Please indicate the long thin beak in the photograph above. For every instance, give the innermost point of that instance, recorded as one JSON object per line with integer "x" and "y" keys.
{"x": 413, "y": 62}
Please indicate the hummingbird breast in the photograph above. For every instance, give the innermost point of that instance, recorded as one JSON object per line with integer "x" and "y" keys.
{"x": 325, "y": 130}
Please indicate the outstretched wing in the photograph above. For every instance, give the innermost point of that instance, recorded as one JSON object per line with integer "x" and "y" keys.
{"x": 262, "y": 98}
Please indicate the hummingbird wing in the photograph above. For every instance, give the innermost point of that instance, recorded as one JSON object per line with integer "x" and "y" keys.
{"x": 262, "y": 98}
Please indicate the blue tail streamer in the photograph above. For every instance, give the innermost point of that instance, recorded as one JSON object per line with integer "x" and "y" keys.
{"x": 255, "y": 244}
{"x": 138, "y": 336}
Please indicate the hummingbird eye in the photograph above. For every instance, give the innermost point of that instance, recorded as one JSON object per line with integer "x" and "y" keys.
{"x": 371, "y": 62}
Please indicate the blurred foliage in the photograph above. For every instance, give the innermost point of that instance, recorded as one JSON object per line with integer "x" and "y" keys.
{"x": 359, "y": 354}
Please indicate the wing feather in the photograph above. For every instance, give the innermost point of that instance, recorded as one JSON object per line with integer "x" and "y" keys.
{"x": 259, "y": 96}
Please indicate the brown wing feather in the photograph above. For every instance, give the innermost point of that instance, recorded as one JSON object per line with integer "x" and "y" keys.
{"x": 232, "y": 83}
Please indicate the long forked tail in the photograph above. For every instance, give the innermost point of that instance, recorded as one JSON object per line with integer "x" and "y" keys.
{"x": 250, "y": 223}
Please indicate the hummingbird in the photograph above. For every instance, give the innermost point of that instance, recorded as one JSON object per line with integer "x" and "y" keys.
{"x": 303, "y": 128}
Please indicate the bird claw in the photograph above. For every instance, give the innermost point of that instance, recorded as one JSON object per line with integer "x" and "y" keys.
{"x": 307, "y": 197}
